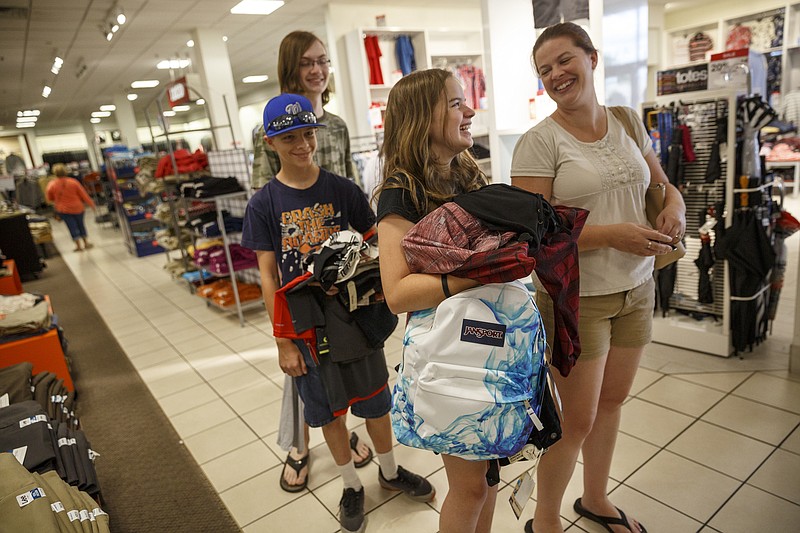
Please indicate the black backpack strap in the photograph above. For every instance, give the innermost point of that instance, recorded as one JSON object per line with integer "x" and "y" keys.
{"x": 493, "y": 473}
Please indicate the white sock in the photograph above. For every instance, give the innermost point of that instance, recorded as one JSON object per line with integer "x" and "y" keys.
{"x": 388, "y": 465}
{"x": 349, "y": 476}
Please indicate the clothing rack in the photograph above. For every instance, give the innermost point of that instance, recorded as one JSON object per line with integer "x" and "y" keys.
{"x": 689, "y": 322}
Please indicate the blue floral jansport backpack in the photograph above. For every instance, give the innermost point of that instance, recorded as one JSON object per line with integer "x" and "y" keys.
{"x": 472, "y": 374}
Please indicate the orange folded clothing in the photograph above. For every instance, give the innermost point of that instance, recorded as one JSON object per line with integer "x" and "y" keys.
{"x": 247, "y": 292}
{"x": 207, "y": 291}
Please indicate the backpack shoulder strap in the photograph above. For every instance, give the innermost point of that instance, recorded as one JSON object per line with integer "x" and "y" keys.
{"x": 619, "y": 113}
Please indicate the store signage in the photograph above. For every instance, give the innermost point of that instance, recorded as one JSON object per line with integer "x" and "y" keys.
{"x": 178, "y": 92}
{"x": 681, "y": 80}
{"x": 729, "y": 69}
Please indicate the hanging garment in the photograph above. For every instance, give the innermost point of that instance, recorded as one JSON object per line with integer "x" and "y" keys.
{"x": 738, "y": 37}
{"x": 549, "y": 12}
{"x": 688, "y": 148}
{"x": 704, "y": 262}
{"x": 374, "y": 54}
{"x": 675, "y": 158}
{"x": 714, "y": 167}
{"x": 404, "y": 51}
{"x": 699, "y": 44}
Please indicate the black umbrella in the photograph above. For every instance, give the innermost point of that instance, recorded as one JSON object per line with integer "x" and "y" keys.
{"x": 750, "y": 257}
{"x": 675, "y": 157}
{"x": 665, "y": 286}
{"x": 704, "y": 262}
{"x": 714, "y": 168}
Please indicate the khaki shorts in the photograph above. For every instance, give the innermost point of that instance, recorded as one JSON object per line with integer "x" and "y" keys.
{"x": 623, "y": 319}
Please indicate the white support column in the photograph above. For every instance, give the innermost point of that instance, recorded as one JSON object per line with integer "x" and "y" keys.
{"x": 126, "y": 121}
{"x": 214, "y": 67}
{"x": 95, "y": 159}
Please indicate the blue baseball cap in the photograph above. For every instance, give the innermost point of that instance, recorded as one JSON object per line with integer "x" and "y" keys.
{"x": 287, "y": 112}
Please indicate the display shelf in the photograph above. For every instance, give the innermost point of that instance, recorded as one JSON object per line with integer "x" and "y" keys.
{"x": 239, "y": 200}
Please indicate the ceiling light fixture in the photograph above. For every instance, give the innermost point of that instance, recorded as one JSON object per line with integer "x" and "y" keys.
{"x": 169, "y": 113}
{"x": 57, "y": 62}
{"x": 108, "y": 107}
{"x": 190, "y": 43}
{"x": 103, "y": 114}
{"x": 115, "y": 18}
{"x": 144, "y": 84}
{"x": 25, "y": 124}
{"x": 200, "y": 101}
{"x": 255, "y": 79}
{"x": 95, "y": 120}
{"x": 46, "y": 91}
{"x": 173, "y": 64}
{"x": 256, "y": 7}
{"x": 27, "y": 119}
{"x": 224, "y": 38}
{"x": 133, "y": 96}
{"x": 180, "y": 108}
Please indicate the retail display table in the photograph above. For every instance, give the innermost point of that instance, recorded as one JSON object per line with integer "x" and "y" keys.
{"x": 11, "y": 284}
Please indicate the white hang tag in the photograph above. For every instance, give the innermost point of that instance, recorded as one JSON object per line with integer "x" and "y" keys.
{"x": 521, "y": 494}
{"x": 4, "y": 401}
{"x": 30, "y": 496}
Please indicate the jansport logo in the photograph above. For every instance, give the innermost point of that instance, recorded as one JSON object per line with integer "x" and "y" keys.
{"x": 485, "y": 333}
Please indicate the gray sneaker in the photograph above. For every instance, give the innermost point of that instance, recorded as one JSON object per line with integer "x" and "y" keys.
{"x": 351, "y": 511}
{"x": 416, "y": 487}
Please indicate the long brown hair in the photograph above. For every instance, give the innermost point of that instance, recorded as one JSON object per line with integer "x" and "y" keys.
{"x": 408, "y": 163}
{"x": 570, "y": 30}
{"x": 291, "y": 51}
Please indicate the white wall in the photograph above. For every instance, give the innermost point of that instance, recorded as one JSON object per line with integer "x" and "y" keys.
{"x": 712, "y": 11}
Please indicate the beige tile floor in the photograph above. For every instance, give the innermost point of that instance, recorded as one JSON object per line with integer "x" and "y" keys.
{"x": 706, "y": 444}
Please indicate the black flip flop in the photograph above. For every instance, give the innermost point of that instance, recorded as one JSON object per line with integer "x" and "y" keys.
{"x": 529, "y": 526}
{"x": 605, "y": 521}
{"x": 354, "y": 447}
{"x": 297, "y": 465}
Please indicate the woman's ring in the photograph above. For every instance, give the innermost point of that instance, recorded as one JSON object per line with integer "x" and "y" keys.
{"x": 648, "y": 244}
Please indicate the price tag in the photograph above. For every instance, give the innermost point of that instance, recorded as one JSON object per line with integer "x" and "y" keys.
{"x": 522, "y": 493}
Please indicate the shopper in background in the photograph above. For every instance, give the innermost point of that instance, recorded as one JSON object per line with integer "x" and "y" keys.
{"x": 304, "y": 68}
{"x": 290, "y": 216}
{"x": 425, "y": 164}
{"x": 582, "y": 156}
{"x": 69, "y": 197}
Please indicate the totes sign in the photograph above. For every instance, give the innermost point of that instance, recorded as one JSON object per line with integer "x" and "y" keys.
{"x": 485, "y": 333}
{"x": 681, "y": 80}
{"x": 178, "y": 92}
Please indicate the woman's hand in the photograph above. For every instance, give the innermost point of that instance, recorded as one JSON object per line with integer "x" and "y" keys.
{"x": 672, "y": 221}
{"x": 639, "y": 240}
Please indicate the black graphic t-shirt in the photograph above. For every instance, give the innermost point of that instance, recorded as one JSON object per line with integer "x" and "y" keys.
{"x": 293, "y": 222}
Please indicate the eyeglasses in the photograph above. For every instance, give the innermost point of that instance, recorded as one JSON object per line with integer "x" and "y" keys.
{"x": 309, "y": 63}
{"x": 284, "y": 121}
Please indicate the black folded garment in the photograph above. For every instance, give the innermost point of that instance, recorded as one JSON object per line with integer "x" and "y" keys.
{"x": 210, "y": 186}
{"x": 25, "y": 431}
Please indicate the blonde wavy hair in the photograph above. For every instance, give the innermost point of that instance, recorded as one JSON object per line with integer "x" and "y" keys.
{"x": 414, "y": 104}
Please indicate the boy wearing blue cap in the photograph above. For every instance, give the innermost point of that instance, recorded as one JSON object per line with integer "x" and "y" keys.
{"x": 285, "y": 220}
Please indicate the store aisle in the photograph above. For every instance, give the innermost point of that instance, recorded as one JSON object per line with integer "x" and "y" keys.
{"x": 706, "y": 443}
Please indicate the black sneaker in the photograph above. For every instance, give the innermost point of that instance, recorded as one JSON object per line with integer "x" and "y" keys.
{"x": 351, "y": 511}
{"x": 416, "y": 487}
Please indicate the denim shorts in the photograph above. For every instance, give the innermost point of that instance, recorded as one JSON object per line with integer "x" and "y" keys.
{"x": 316, "y": 408}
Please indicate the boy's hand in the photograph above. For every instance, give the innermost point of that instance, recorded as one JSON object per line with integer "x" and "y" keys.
{"x": 290, "y": 359}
